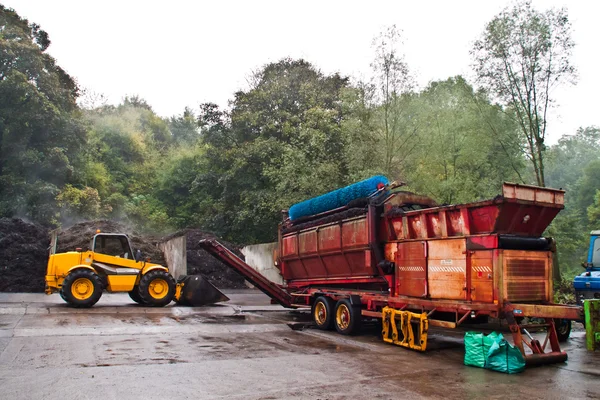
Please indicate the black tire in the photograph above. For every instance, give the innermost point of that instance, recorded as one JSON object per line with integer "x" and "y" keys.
{"x": 87, "y": 290}
{"x": 134, "y": 294}
{"x": 62, "y": 295}
{"x": 563, "y": 329}
{"x": 148, "y": 289}
{"x": 348, "y": 318}
{"x": 323, "y": 313}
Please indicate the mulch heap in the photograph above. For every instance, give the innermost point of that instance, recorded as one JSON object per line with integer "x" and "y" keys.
{"x": 24, "y": 250}
{"x": 80, "y": 236}
{"x": 199, "y": 261}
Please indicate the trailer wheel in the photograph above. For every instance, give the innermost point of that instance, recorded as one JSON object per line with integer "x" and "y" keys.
{"x": 563, "y": 329}
{"x": 347, "y": 317}
{"x": 157, "y": 288}
{"x": 322, "y": 312}
{"x": 82, "y": 288}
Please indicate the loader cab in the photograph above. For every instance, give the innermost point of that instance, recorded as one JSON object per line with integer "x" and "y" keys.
{"x": 112, "y": 244}
{"x": 594, "y": 251}
{"x": 587, "y": 284}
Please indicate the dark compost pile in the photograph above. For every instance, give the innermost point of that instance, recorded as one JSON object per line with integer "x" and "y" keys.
{"x": 23, "y": 255}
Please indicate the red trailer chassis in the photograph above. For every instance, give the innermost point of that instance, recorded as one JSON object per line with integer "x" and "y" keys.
{"x": 374, "y": 304}
{"x": 438, "y": 266}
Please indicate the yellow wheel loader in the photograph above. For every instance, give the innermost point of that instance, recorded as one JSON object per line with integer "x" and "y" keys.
{"x": 110, "y": 264}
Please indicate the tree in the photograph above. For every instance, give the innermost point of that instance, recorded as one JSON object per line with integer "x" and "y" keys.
{"x": 41, "y": 132}
{"x": 458, "y": 157}
{"x": 521, "y": 57}
{"x": 184, "y": 128}
{"x": 392, "y": 83}
{"x": 281, "y": 143}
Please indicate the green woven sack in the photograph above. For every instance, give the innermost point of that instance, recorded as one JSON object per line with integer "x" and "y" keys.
{"x": 504, "y": 357}
{"x": 477, "y": 347}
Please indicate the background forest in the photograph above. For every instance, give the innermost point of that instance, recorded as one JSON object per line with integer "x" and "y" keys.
{"x": 294, "y": 133}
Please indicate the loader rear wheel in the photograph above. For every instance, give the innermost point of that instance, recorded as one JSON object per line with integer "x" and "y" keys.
{"x": 82, "y": 288}
{"x": 157, "y": 288}
{"x": 323, "y": 313}
{"x": 134, "y": 294}
{"x": 347, "y": 317}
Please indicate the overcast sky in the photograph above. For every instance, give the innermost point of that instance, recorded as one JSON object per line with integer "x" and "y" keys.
{"x": 182, "y": 53}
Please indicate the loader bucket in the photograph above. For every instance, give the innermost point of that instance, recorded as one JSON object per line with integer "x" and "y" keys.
{"x": 197, "y": 291}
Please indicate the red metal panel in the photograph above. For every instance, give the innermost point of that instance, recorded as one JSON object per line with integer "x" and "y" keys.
{"x": 436, "y": 222}
{"x": 337, "y": 266}
{"x": 348, "y": 264}
{"x": 482, "y": 242}
{"x": 294, "y": 269}
{"x": 329, "y": 238}
{"x": 398, "y": 227}
{"x": 417, "y": 227}
{"x": 411, "y": 269}
{"x": 523, "y": 219}
{"x": 314, "y": 266}
{"x": 307, "y": 242}
{"x": 447, "y": 269}
{"x": 483, "y": 218}
{"x": 482, "y": 276}
{"x": 289, "y": 246}
{"x": 355, "y": 233}
{"x": 533, "y": 193}
{"x": 456, "y": 225}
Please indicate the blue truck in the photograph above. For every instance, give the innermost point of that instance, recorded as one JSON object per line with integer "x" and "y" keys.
{"x": 587, "y": 284}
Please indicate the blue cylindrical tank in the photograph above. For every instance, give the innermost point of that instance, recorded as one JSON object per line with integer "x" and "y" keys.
{"x": 337, "y": 198}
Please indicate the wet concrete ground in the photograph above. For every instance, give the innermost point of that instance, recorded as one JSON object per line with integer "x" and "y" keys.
{"x": 248, "y": 349}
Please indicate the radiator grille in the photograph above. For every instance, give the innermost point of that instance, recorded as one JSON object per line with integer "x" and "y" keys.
{"x": 526, "y": 291}
{"x": 526, "y": 277}
{"x": 525, "y": 268}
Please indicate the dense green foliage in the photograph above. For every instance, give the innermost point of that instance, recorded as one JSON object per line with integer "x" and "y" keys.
{"x": 41, "y": 133}
{"x": 293, "y": 134}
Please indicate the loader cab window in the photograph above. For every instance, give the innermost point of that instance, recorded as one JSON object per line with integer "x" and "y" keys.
{"x": 596, "y": 253}
{"x": 117, "y": 246}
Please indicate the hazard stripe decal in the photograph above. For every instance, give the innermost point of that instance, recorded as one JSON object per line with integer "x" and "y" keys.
{"x": 411, "y": 269}
{"x": 435, "y": 268}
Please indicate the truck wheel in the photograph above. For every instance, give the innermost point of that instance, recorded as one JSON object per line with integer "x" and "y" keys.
{"x": 157, "y": 288}
{"x": 347, "y": 317}
{"x": 563, "y": 329}
{"x": 135, "y": 295}
{"x": 82, "y": 288}
{"x": 322, "y": 312}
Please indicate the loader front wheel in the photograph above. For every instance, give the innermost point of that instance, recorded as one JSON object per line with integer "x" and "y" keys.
{"x": 157, "y": 288}
{"x": 134, "y": 294}
{"x": 82, "y": 288}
